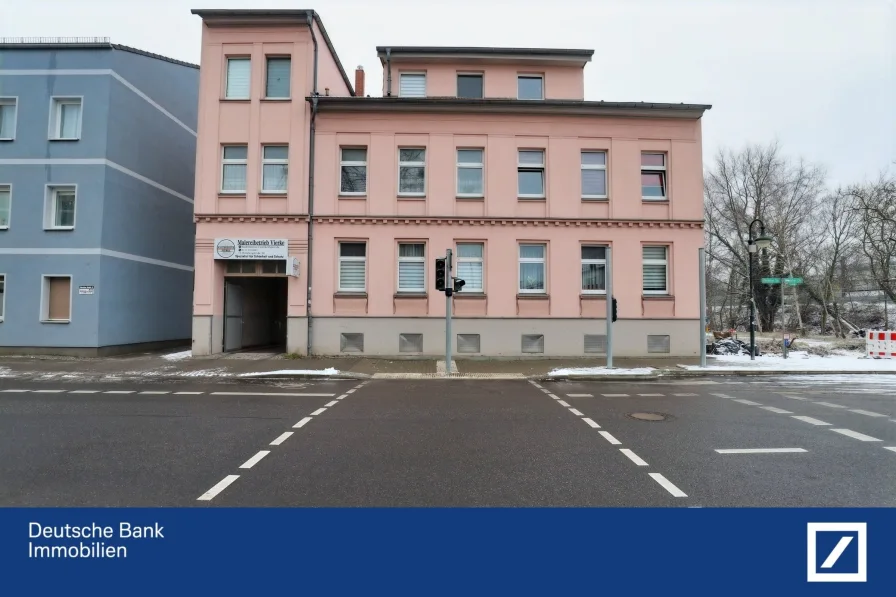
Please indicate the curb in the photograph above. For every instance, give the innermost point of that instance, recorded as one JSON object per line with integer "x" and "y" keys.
{"x": 672, "y": 374}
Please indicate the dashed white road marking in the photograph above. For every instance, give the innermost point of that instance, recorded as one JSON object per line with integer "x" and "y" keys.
{"x": 759, "y": 450}
{"x": 118, "y": 392}
{"x": 191, "y": 394}
{"x": 576, "y": 413}
{"x": 218, "y": 488}
{"x": 633, "y": 457}
{"x": 255, "y": 459}
{"x": 270, "y": 394}
{"x": 14, "y": 391}
{"x": 332, "y": 403}
{"x": 352, "y": 391}
{"x": 341, "y": 397}
{"x": 721, "y": 395}
{"x": 792, "y": 397}
{"x": 649, "y": 394}
{"x": 747, "y": 402}
{"x": 155, "y": 392}
{"x": 609, "y": 437}
{"x": 562, "y": 403}
{"x": 856, "y": 435}
{"x": 684, "y": 394}
{"x": 867, "y": 413}
{"x": 553, "y": 396}
{"x": 84, "y": 392}
{"x": 810, "y": 420}
{"x": 48, "y": 391}
{"x": 592, "y": 423}
{"x": 667, "y": 485}
{"x": 318, "y": 412}
{"x": 775, "y": 409}
{"x": 580, "y": 395}
{"x": 891, "y": 448}
{"x": 282, "y": 438}
{"x": 536, "y": 385}
{"x": 828, "y": 404}
{"x": 301, "y": 423}
{"x": 615, "y": 395}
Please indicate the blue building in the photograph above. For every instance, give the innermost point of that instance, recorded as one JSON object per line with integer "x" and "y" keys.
{"x": 97, "y": 160}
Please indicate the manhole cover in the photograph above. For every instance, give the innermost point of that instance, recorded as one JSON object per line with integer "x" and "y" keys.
{"x": 649, "y": 416}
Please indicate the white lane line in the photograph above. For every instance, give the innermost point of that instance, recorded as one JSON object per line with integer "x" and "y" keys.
{"x": 580, "y": 395}
{"x": 301, "y": 423}
{"x": 891, "y": 448}
{"x": 792, "y": 397}
{"x": 867, "y": 413}
{"x": 810, "y": 420}
{"x": 553, "y": 396}
{"x": 592, "y": 423}
{"x": 343, "y": 396}
{"x": 649, "y": 394}
{"x": 856, "y": 435}
{"x": 562, "y": 402}
{"x": 283, "y": 437}
{"x": 615, "y": 395}
{"x": 333, "y": 403}
{"x": 721, "y": 395}
{"x": 747, "y": 402}
{"x": 118, "y": 392}
{"x": 684, "y": 394}
{"x": 192, "y": 394}
{"x": 218, "y": 488}
{"x": 775, "y": 409}
{"x": 536, "y": 385}
{"x": 84, "y": 392}
{"x": 610, "y": 438}
{"x": 271, "y": 394}
{"x": 15, "y": 391}
{"x": 352, "y": 391}
{"x": 633, "y": 457}
{"x": 155, "y": 392}
{"x": 48, "y": 391}
{"x": 318, "y": 411}
{"x": 760, "y": 450}
{"x": 828, "y": 404}
{"x": 255, "y": 459}
{"x": 576, "y": 413}
{"x": 667, "y": 485}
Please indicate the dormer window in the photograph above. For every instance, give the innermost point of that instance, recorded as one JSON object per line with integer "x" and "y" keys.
{"x": 469, "y": 85}
{"x": 412, "y": 85}
{"x": 530, "y": 87}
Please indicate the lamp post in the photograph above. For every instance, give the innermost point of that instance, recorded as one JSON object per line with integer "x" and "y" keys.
{"x": 754, "y": 244}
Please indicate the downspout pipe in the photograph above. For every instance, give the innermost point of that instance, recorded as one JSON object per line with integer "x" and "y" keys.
{"x": 388, "y": 72}
{"x": 311, "y": 147}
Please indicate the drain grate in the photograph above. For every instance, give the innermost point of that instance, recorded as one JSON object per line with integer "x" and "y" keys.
{"x": 649, "y": 416}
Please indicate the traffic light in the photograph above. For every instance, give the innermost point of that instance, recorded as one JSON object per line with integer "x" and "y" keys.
{"x": 440, "y": 274}
{"x": 614, "y": 309}
{"x": 458, "y": 284}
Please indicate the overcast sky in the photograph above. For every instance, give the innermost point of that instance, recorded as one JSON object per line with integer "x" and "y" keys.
{"x": 818, "y": 75}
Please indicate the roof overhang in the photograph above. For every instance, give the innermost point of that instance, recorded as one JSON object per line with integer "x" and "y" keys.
{"x": 511, "y": 106}
{"x": 530, "y": 56}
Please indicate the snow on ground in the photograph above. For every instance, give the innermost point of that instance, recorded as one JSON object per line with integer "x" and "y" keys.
{"x": 178, "y": 356}
{"x": 601, "y": 371}
{"x": 327, "y": 371}
{"x": 796, "y": 361}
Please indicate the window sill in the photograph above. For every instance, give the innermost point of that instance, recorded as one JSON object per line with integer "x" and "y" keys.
{"x": 598, "y": 199}
{"x": 411, "y": 197}
{"x": 59, "y": 228}
{"x": 593, "y": 297}
{"x": 362, "y": 196}
{"x": 4, "y": 227}
{"x": 655, "y": 199}
{"x": 532, "y": 198}
{"x": 64, "y": 139}
{"x": 276, "y": 99}
{"x": 236, "y": 100}
{"x": 348, "y": 294}
{"x": 232, "y": 194}
{"x": 657, "y": 297}
{"x": 272, "y": 193}
{"x": 410, "y": 295}
{"x": 533, "y": 296}
{"x": 468, "y": 295}
{"x": 7, "y": 139}
{"x": 470, "y": 197}
{"x": 55, "y": 320}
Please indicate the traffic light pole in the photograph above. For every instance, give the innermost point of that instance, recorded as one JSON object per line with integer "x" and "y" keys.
{"x": 609, "y": 275}
{"x": 448, "y": 292}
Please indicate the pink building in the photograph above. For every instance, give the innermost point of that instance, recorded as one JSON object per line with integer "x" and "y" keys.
{"x": 491, "y": 152}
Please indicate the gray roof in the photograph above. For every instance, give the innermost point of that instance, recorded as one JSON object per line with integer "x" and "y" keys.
{"x": 49, "y": 43}
{"x": 443, "y": 53}
{"x": 263, "y": 14}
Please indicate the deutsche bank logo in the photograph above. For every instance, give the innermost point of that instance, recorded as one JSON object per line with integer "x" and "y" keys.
{"x": 837, "y": 551}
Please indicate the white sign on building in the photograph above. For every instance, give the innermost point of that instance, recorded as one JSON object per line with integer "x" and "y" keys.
{"x": 251, "y": 248}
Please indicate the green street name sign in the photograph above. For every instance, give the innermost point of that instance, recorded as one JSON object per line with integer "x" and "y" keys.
{"x": 788, "y": 281}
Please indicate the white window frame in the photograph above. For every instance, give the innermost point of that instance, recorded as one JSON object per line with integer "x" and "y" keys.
{"x": 267, "y": 63}
{"x": 51, "y": 192}
{"x": 340, "y": 259}
{"x": 45, "y": 298}
{"x": 7, "y": 188}
{"x": 398, "y": 289}
{"x": 56, "y": 103}
{"x": 343, "y": 163}
{"x": 480, "y": 260}
{"x": 227, "y": 60}
{"x": 662, "y": 169}
{"x": 413, "y": 73}
{"x": 596, "y": 167}
{"x": 529, "y": 76}
{"x": 664, "y": 262}
{"x": 3, "y": 280}
{"x": 593, "y": 262}
{"x": 412, "y": 165}
{"x": 7, "y": 101}
{"x": 273, "y": 162}
{"x": 544, "y": 266}
{"x": 544, "y": 176}
{"x": 479, "y": 74}
{"x": 469, "y": 166}
{"x": 233, "y": 162}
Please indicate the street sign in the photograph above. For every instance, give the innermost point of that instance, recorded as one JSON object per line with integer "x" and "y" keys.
{"x": 771, "y": 280}
{"x": 793, "y": 281}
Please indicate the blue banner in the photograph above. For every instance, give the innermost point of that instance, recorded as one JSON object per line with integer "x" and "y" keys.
{"x": 520, "y": 551}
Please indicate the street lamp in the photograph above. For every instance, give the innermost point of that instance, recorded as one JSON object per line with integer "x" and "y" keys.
{"x": 754, "y": 244}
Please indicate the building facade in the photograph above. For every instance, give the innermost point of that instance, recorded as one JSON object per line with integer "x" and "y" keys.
{"x": 491, "y": 152}
{"x": 97, "y": 158}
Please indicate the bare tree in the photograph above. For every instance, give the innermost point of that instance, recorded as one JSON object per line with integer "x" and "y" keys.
{"x": 875, "y": 203}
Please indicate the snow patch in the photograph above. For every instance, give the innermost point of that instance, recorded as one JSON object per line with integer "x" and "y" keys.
{"x": 796, "y": 361}
{"x": 601, "y": 371}
{"x": 178, "y": 356}
{"x": 327, "y": 371}
{"x": 207, "y": 373}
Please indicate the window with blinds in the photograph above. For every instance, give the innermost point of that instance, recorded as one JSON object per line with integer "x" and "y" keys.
{"x": 412, "y": 85}
{"x": 594, "y": 175}
{"x": 238, "y": 78}
{"x": 655, "y": 270}
{"x": 233, "y": 168}
{"x": 411, "y": 267}
{"x": 276, "y": 85}
{"x": 470, "y": 266}
{"x": 653, "y": 176}
{"x": 352, "y": 267}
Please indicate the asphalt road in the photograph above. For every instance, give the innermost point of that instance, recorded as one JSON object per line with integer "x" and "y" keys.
{"x": 789, "y": 441}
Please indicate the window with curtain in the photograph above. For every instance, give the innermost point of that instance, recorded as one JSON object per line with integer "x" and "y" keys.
{"x": 655, "y": 270}
{"x": 5, "y": 205}
{"x": 276, "y": 85}
{"x": 59, "y": 207}
{"x": 352, "y": 267}
{"x": 594, "y": 270}
{"x": 412, "y": 171}
{"x": 233, "y": 168}
{"x": 469, "y": 172}
{"x": 412, "y": 85}
{"x": 274, "y": 168}
{"x": 353, "y": 171}
{"x": 594, "y": 175}
{"x": 411, "y": 267}
{"x": 470, "y": 266}
{"x": 238, "y": 78}
{"x": 532, "y": 269}
{"x": 653, "y": 176}
{"x": 530, "y": 173}
{"x": 66, "y": 118}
